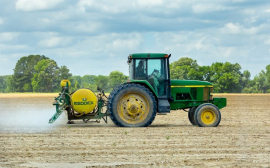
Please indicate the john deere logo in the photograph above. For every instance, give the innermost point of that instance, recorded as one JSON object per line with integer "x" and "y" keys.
{"x": 84, "y": 102}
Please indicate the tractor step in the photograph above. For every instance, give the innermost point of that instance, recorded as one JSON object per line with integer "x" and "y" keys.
{"x": 163, "y": 106}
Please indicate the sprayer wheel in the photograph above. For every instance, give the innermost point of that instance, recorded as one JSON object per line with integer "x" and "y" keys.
{"x": 132, "y": 105}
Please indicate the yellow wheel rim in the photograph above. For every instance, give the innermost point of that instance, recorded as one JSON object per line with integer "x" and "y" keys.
{"x": 133, "y": 108}
{"x": 208, "y": 117}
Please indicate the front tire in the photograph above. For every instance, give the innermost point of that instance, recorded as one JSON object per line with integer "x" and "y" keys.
{"x": 132, "y": 105}
{"x": 207, "y": 115}
{"x": 191, "y": 115}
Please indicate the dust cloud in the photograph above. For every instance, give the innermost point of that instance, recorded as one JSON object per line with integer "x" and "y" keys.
{"x": 28, "y": 114}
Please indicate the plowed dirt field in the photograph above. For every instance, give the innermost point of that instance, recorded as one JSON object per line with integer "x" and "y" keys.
{"x": 27, "y": 140}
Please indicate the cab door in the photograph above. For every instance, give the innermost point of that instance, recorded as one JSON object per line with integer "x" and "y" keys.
{"x": 157, "y": 75}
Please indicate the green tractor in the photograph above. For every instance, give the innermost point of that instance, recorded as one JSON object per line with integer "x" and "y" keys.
{"x": 148, "y": 91}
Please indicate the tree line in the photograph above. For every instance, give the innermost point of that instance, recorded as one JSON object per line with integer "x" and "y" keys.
{"x": 38, "y": 73}
{"x": 226, "y": 77}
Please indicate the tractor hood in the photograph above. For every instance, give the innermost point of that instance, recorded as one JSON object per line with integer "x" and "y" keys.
{"x": 190, "y": 83}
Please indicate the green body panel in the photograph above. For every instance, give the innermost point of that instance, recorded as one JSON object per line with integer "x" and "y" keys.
{"x": 189, "y": 82}
{"x": 220, "y": 102}
{"x": 145, "y": 83}
{"x": 193, "y": 90}
{"x": 182, "y": 104}
{"x": 148, "y": 55}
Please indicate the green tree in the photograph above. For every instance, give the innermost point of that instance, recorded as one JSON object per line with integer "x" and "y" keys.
{"x": 267, "y": 76}
{"x": 60, "y": 74}
{"x": 205, "y": 72}
{"x": 246, "y": 78}
{"x": 3, "y": 84}
{"x": 10, "y": 84}
{"x": 185, "y": 68}
{"x": 23, "y": 73}
{"x": 260, "y": 83}
{"x": 102, "y": 82}
{"x": 88, "y": 81}
{"x": 76, "y": 82}
{"x": 116, "y": 78}
{"x": 44, "y": 77}
{"x": 77, "y": 78}
{"x": 76, "y": 85}
{"x": 226, "y": 77}
{"x": 64, "y": 73}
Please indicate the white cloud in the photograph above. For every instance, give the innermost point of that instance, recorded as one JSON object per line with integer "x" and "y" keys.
{"x": 123, "y": 6}
{"x": 5, "y": 47}
{"x": 238, "y": 0}
{"x": 199, "y": 45}
{"x": 232, "y": 28}
{"x": 205, "y": 8}
{"x": 267, "y": 42}
{"x": 249, "y": 11}
{"x": 267, "y": 10}
{"x": 36, "y": 5}
{"x": 105, "y": 53}
{"x": 106, "y": 6}
{"x": 149, "y": 3}
{"x": 204, "y": 46}
{"x": 45, "y": 20}
{"x": 54, "y": 42}
{"x": 131, "y": 42}
{"x": 3, "y": 58}
{"x": 8, "y": 36}
{"x": 106, "y": 44}
{"x": 236, "y": 28}
{"x": 228, "y": 51}
{"x": 83, "y": 3}
{"x": 87, "y": 27}
{"x": 51, "y": 42}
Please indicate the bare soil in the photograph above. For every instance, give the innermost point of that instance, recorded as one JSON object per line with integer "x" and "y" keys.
{"x": 26, "y": 139}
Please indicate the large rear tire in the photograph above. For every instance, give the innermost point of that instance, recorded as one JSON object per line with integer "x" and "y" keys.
{"x": 207, "y": 115}
{"x": 132, "y": 105}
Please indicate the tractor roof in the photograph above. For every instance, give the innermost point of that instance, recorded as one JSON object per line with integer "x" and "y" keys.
{"x": 148, "y": 55}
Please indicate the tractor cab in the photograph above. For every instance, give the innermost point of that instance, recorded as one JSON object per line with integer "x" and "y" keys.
{"x": 152, "y": 69}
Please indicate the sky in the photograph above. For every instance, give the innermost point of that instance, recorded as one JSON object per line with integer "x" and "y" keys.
{"x": 95, "y": 37}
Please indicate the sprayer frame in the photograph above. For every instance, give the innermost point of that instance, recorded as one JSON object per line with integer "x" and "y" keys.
{"x": 63, "y": 102}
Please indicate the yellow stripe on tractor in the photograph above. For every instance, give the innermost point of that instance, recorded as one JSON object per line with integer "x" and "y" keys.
{"x": 194, "y": 86}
